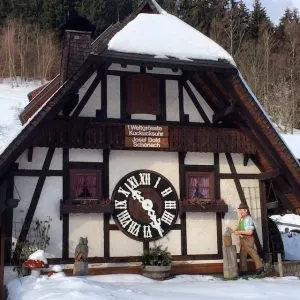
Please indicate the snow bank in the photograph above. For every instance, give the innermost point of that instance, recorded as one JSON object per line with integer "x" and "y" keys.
{"x": 135, "y": 287}
{"x": 13, "y": 98}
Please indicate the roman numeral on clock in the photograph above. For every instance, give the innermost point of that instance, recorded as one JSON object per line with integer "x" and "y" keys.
{"x": 124, "y": 192}
{"x": 147, "y": 231}
{"x": 120, "y": 204}
{"x": 134, "y": 228}
{"x": 166, "y": 192}
{"x": 170, "y": 204}
{"x": 124, "y": 218}
{"x": 145, "y": 179}
{"x": 167, "y": 217}
{"x": 157, "y": 182}
{"x": 133, "y": 183}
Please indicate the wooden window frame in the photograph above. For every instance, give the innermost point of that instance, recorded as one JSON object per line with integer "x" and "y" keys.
{"x": 201, "y": 171}
{"x": 97, "y": 169}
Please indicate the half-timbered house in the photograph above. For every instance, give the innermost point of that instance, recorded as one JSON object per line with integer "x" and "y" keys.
{"x": 149, "y": 134}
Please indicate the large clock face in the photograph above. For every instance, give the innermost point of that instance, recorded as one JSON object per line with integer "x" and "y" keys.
{"x": 145, "y": 204}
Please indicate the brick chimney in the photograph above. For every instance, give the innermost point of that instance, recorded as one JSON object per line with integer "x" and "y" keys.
{"x": 76, "y": 48}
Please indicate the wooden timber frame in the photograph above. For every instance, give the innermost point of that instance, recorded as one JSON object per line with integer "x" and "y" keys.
{"x": 238, "y": 126}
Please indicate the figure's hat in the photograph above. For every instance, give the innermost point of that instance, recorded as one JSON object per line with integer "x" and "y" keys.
{"x": 243, "y": 206}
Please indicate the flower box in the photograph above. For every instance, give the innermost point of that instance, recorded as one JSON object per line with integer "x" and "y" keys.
{"x": 198, "y": 205}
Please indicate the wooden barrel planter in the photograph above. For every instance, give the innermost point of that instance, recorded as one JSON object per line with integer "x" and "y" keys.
{"x": 157, "y": 272}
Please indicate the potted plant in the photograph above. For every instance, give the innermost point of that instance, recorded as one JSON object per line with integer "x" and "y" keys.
{"x": 156, "y": 263}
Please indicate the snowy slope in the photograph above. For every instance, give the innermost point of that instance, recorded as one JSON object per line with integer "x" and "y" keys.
{"x": 13, "y": 98}
{"x": 135, "y": 287}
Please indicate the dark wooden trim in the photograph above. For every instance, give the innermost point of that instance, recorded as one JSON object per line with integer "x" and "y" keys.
{"x": 106, "y": 216}
{"x": 199, "y": 168}
{"x": 218, "y": 196}
{"x": 238, "y": 176}
{"x": 242, "y": 197}
{"x": 34, "y": 201}
{"x": 87, "y": 96}
{"x": 66, "y": 195}
{"x": 264, "y": 216}
{"x": 163, "y": 101}
{"x": 149, "y": 60}
{"x": 181, "y": 101}
{"x": 29, "y": 154}
{"x": 146, "y": 246}
{"x": 2, "y": 241}
{"x": 85, "y": 165}
{"x": 104, "y": 97}
{"x": 142, "y": 69}
{"x": 181, "y": 158}
{"x": 123, "y": 99}
{"x": 37, "y": 173}
{"x": 196, "y": 103}
{"x": 269, "y": 174}
{"x": 127, "y": 259}
{"x": 7, "y": 218}
{"x": 156, "y": 75}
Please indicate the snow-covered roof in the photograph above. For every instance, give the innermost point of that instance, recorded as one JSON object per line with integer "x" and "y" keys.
{"x": 293, "y": 142}
{"x": 164, "y": 35}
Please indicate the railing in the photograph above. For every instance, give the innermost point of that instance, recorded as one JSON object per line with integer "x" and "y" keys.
{"x": 97, "y": 135}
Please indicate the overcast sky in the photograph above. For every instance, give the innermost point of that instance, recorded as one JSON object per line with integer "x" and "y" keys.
{"x": 275, "y": 8}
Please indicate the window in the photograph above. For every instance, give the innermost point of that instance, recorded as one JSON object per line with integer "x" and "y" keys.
{"x": 85, "y": 183}
{"x": 199, "y": 185}
{"x": 142, "y": 95}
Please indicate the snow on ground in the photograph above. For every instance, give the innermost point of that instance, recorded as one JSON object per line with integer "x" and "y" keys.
{"x": 136, "y": 287}
{"x": 13, "y": 98}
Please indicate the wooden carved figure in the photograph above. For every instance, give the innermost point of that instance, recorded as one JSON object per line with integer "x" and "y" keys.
{"x": 81, "y": 255}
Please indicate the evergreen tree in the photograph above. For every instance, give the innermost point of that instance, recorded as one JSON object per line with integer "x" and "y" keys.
{"x": 258, "y": 20}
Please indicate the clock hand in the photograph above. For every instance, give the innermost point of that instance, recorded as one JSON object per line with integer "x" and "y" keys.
{"x": 147, "y": 205}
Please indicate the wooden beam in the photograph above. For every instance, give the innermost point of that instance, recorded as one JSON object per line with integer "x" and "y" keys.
{"x": 229, "y": 111}
{"x": 269, "y": 174}
{"x": 242, "y": 197}
{"x": 196, "y": 103}
{"x": 66, "y": 195}
{"x": 181, "y": 101}
{"x": 104, "y": 96}
{"x": 105, "y": 191}
{"x": 29, "y": 154}
{"x": 181, "y": 158}
{"x": 36, "y": 173}
{"x": 87, "y": 96}
{"x": 33, "y": 204}
{"x": 163, "y": 102}
{"x": 264, "y": 216}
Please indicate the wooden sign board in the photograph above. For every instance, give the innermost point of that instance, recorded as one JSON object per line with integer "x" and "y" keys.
{"x": 146, "y": 136}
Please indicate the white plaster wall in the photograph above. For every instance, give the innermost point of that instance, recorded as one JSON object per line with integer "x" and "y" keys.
{"x": 48, "y": 205}
{"x": 238, "y": 160}
{"x": 121, "y": 245}
{"x": 23, "y": 190}
{"x": 252, "y": 194}
{"x": 90, "y": 226}
{"x": 201, "y": 233}
{"x": 172, "y": 100}
{"x": 197, "y": 158}
{"x": 123, "y": 162}
{"x": 38, "y": 158}
{"x": 113, "y": 97}
{"x": 89, "y": 110}
{"x": 190, "y": 109}
{"x": 171, "y": 240}
{"x": 224, "y": 166}
{"x": 86, "y": 155}
{"x": 83, "y": 90}
{"x": 56, "y": 163}
{"x": 208, "y": 111}
{"x": 166, "y": 71}
{"x": 129, "y": 68}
